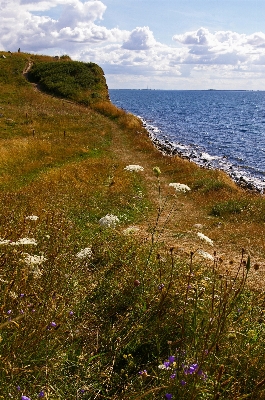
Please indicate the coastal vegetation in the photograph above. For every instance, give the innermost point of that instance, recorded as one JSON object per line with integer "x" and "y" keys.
{"x": 125, "y": 273}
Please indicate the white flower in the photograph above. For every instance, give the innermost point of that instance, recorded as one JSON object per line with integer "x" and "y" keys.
{"x": 24, "y": 241}
{"x": 130, "y": 230}
{"x": 4, "y": 241}
{"x": 34, "y": 260}
{"x": 32, "y": 217}
{"x": 205, "y": 238}
{"x": 109, "y": 221}
{"x": 85, "y": 253}
{"x": 180, "y": 187}
{"x": 133, "y": 168}
{"x": 206, "y": 255}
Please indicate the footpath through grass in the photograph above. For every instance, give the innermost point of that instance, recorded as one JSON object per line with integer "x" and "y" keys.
{"x": 125, "y": 274}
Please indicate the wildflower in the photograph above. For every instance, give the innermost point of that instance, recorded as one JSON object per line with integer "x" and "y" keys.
{"x": 206, "y": 255}
{"x": 85, "y": 253}
{"x": 9, "y": 312}
{"x": 168, "y": 396}
{"x": 157, "y": 171}
{"x": 53, "y": 324}
{"x": 161, "y": 286}
{"x": 205, "y": 238}
{"x": 130, "y": 230}
{"x": 143, "y": 373}
{"x": 173, "y": 376}
{"x": 180, "y": 187}
{"x": 191, "y": 369}
{"x": 18, "y": 388}
{"x": 24, "y": 241}
{"x": 109, "y": 221}
{"x": 133, "y": 168}
{"x": 182, "y": 382}
{"x": 166, "y": 364}
{"x": 25, "y": 398}
{"x": 32, "y": 217}
{"x": 34, "y": 260}
{"x": 41, "y": 394}
{"x": 171, "y": 359}
{"x": 4, "y": 241}
{"x": 71, "y": 313}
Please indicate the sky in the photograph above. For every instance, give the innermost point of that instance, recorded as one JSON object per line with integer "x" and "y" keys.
{"x": 159, "y": 44}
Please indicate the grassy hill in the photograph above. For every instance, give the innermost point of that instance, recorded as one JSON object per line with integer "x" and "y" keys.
{"x": 114, "y": 283}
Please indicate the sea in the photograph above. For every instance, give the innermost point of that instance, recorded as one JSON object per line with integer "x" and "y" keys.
{"x": 213, "y": 128}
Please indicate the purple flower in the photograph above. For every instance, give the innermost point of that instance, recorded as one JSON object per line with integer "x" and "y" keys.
{"x": 143, "y": 373}
{"x": 182, "y": 382}
{"x": 161, "y": 286}
{"x": 18, "y": 388}
{"x": 41, "y": 394}
{"x": 53, "y": 324}
{"x": 171, "y": 359}
{"x": 167, "y": 364}
{"x": 71, "y": 313}
{"x": 168, "y": 396}
{"x": 191, "y": 369}
{"x": 22, "y": 294}
{"x": 173, "y": 376}
{"x": 9, "y": 312}
{"x": 25, "y": 398}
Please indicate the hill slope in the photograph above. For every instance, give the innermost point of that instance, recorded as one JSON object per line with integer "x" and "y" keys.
{"x": 103, "y": 273}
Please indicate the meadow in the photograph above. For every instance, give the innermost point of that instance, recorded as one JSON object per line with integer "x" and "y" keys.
{"x": 125, "y": 273}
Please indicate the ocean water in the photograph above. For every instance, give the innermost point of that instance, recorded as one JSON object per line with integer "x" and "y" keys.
{"x": 215, "y": 129}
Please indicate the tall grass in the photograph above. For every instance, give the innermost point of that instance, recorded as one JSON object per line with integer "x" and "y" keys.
{"x": 144, "y": 308}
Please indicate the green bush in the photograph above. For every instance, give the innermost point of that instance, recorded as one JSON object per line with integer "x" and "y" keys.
{"x": 82, "y": 82}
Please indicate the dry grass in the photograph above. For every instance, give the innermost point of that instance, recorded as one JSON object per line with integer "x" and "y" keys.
{"x": 64, "y": 163}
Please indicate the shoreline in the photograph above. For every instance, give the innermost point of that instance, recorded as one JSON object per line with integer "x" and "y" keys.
{"x": 168, "y": 148}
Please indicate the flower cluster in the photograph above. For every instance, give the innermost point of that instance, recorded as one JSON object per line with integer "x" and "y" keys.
{"x": 34, "y": 260}
{"x": 130, "y": 230}
{"x": 134, "y": 168}
{"x": 109, "y": 221}
{"x": 194, "y": 369}
{"x": 32, "y": 217}
{"x": 85, "y": 253}
{"x": 205, "y": 238}
{"x": 206, "y": 255}
{"x": 22, "y": 241}
{"x": 180, "y": 187}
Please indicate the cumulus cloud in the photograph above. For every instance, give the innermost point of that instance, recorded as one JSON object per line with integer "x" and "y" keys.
{"x": 77, "y": 22}
{"x": 140, "y": 38}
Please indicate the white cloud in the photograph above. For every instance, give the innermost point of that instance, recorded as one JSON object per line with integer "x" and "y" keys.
{"x": 77, "y": 22}
{"x": 140, "y": 39}
{"x": 76, "y": 27}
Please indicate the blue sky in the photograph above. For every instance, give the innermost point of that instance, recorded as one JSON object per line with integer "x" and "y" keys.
{"x": 162, "y": 44}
